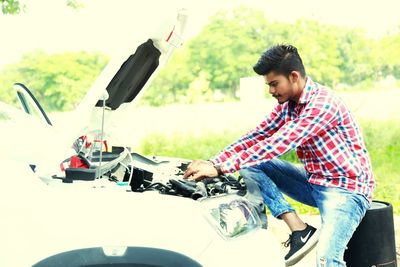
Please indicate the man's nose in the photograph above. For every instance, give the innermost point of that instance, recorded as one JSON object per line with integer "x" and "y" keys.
{"x": 272, "y": 90}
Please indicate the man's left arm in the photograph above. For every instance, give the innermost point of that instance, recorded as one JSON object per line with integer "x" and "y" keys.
{"x": 317, "y": 116}
{"x": 211, "y": 168}
{"x": 263, "y": 130}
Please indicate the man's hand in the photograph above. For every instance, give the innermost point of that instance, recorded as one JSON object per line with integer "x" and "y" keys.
{"x": 200, "y": 169}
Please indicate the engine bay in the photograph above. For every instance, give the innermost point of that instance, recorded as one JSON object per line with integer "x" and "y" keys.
{"x": 141, "y": 174}
{"x": 121, "y": 169}
{"x": 167, "y": 178}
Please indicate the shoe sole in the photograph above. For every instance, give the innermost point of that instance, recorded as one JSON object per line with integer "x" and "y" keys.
{"x": 311, "y": 243}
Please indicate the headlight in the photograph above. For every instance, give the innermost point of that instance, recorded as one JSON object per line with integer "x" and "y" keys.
{"x": 231, "y": 215}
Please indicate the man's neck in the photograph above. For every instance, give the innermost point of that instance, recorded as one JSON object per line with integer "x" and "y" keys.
{"x": 300, "y": 85}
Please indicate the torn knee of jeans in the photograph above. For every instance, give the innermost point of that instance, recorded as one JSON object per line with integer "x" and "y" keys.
{"x": 322, "y": 261}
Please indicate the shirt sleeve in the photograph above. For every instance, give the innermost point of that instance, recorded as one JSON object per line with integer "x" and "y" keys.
{"x": 319, "y": 114}
{"x": 265, "y": 129}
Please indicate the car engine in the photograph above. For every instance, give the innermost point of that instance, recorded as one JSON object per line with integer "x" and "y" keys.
{"x": 165, "y": 175}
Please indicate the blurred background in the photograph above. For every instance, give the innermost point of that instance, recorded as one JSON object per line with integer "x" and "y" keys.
{"x": 208, "y": 95}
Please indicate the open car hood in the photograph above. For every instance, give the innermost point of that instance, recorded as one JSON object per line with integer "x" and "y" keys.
{"x": 128, "y": 73}
{"x": 126, "y": 76}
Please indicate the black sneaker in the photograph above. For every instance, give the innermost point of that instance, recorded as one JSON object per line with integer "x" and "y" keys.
{"x": 300, "y": 242}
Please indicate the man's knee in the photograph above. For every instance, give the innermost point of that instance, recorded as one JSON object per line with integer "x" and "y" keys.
{"x": 248, "y": 172}
{"x": 330, "y": 248}
{"x": 329, "y": 256}
{"x": 245, "y": 172}
{"x": 253, "y": 174}
{"x": 329, "y": 260}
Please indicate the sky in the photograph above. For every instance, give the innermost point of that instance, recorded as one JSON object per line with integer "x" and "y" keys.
{"x": 53, "y": 27}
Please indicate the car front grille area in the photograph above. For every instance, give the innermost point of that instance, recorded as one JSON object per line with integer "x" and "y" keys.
{"x": 118, "y": 257}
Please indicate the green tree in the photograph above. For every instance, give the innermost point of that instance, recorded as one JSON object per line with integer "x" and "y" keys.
{"x": 228, "y": 47}
{"x": 171, "y": 82}
{"x": 319, "y": 48}
{"x": 360, "y": 58}
{"x": 13, "y": 7}
{"x": 59, "y": 81}
{"x": 216, "y": 59}
{"x": 390, "y": 56}
{"x": 199, "y": 90}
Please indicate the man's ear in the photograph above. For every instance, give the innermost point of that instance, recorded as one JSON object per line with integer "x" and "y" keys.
{"x": 294, "y": 76}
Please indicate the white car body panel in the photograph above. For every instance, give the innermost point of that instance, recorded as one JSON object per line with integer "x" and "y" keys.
{"x": 40, "y": 219}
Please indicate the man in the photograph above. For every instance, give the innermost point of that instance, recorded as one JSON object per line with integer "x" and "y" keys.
{"x": 336, "y": 177}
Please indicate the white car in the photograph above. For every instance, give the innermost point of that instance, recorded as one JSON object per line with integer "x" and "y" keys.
{"x": 83, "y": 206}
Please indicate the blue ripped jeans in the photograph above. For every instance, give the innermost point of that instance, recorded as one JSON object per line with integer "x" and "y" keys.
{"x": 341, "y": 210}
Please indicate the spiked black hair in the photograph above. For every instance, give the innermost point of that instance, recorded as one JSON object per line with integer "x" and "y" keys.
{"x": 282, "y": 59}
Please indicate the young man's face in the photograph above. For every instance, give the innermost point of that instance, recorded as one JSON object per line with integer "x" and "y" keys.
{"x": 283, "y": 88}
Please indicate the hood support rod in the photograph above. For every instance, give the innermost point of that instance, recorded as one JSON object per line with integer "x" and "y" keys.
{"x": 102, "y": 133}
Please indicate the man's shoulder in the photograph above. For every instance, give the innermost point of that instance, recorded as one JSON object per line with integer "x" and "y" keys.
{"x": 323, "y": 93}
{"x": 314, "y": 91}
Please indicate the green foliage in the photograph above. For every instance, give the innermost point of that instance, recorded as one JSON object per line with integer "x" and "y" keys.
{"x": 14, "y": 7}
{"x": 171, "y": 82}
{"x": 58, "y": 81}
{"x": 74, "y": 4}
{"x": 199, "y": 90}
{"x": 319, "y": 50}
{"x": 228, "y": 47}
{"x": 360, "y": 63}
{"x": 210, "y": 65}
{"x": 11, "y": 6}
{"x": 232, "y": 42}
{"x": 186, "y": 145}
{"x": 390, "y": 59}
{"x": 216, "y": 57}
{"x": 382, "y": 139}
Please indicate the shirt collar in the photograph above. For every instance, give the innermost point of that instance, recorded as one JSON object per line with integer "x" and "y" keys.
{"x": 307, "y": 91}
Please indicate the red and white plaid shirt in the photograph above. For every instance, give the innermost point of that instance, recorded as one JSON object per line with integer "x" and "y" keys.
{"x": 328, "y": 141}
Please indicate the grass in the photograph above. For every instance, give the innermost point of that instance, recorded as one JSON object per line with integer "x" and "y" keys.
{"x": 382, "y": 139}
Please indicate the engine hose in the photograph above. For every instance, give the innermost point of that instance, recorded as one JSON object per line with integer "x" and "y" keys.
{"x": 200, "y": 192}
{"x": 182, "y": 188}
